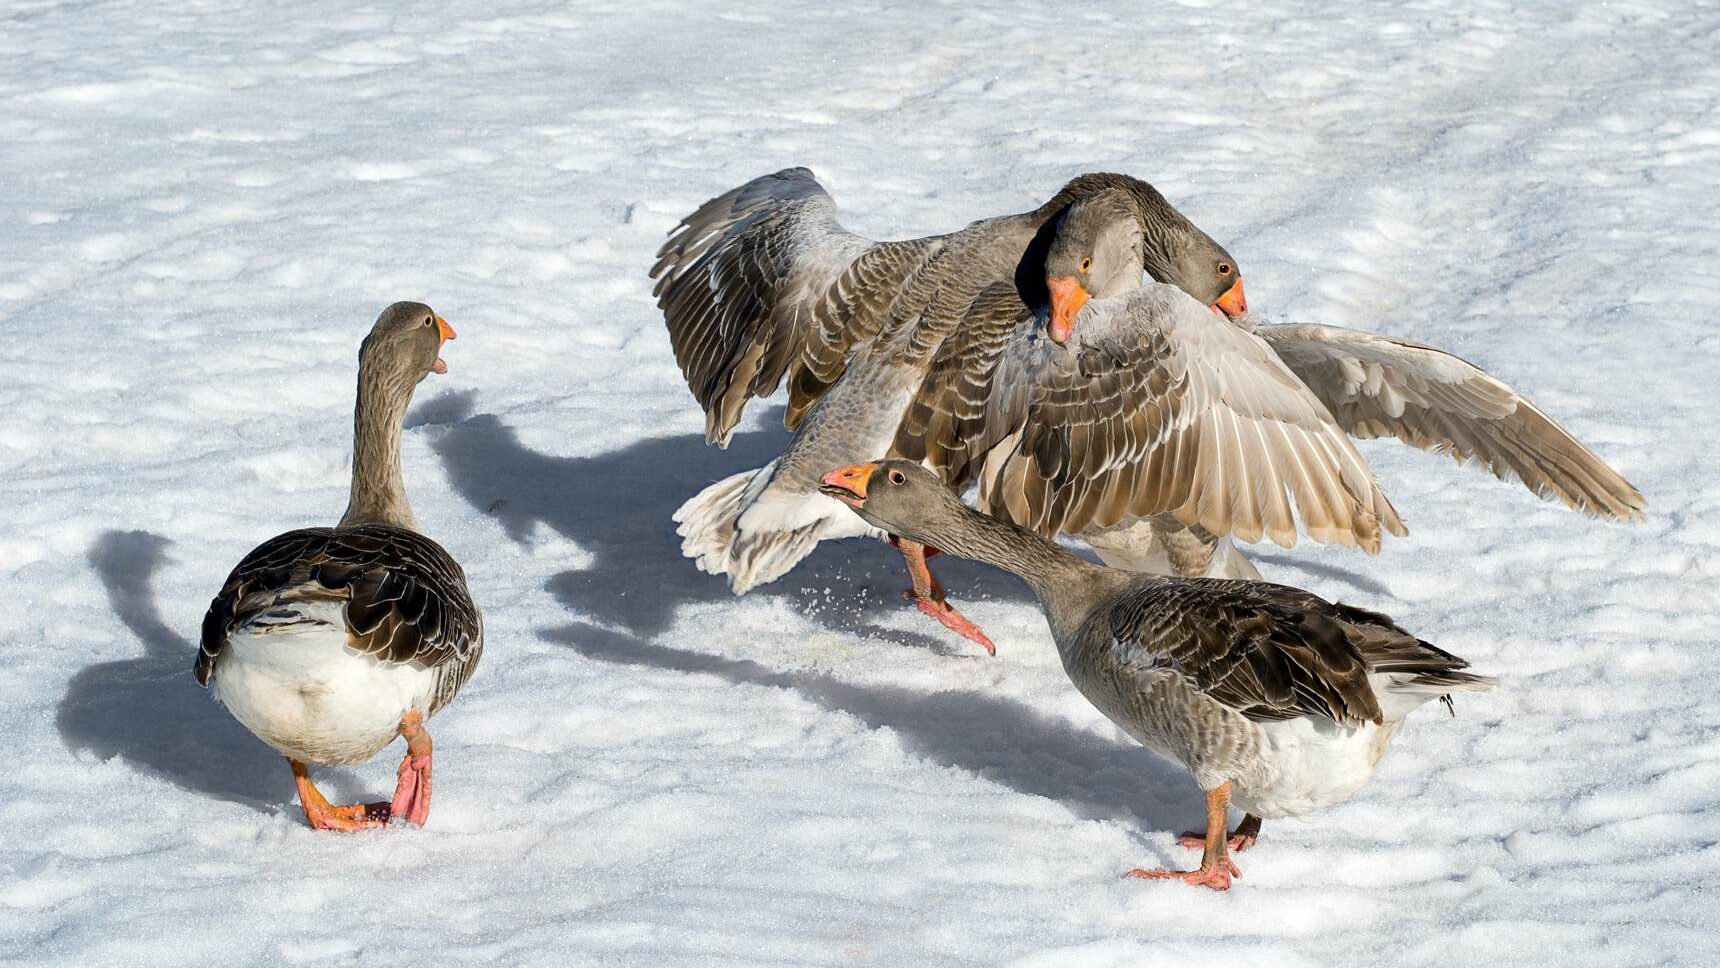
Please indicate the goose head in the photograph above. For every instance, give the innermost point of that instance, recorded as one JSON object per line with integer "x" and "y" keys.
{"x": 1095, "y": 252}
{"x": 899, "y": 496}
{"x": 1103, "y": 242}
{"x": 406, "y": 341}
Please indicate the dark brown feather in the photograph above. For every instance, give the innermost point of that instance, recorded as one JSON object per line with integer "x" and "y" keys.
{"x": 405, "y": 596}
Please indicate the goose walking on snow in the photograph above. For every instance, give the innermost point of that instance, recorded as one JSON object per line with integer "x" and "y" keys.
{"x": 1277, "y": 701}
{"x": 329, "y": 643}
{"x": 762, "y": 285}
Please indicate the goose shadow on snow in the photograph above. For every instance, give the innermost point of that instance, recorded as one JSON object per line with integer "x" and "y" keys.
{"x": 151, "y": 712}
{"x": 616, "y": 506}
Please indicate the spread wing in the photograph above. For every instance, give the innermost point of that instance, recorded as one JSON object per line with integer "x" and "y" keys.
{"x": 889, "y": 282}
{"x": 405, "y": 598}
{"x": 1378, "y": 386}
{"x": 763, "y": 282}
{"x": 945, "y": 423}
{"x": 1158, "y": 406}
{"x": 1267, "y": 651}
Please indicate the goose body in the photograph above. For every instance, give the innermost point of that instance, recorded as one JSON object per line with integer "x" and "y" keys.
{"x": 1151, "y": 657}
{"x": 292, "y": 680}
{"x": 1274, "y": 699}
{"x": 287, "y": 651}
{"x": 330, "y": 643}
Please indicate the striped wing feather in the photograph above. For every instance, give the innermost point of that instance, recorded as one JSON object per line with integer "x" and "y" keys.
{"x": 1378, "y": 386}
{"x": 1159, "y": 406}
{"x": 1272, "y": 652}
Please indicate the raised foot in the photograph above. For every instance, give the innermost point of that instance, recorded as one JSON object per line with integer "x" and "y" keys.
{"x": 1216, "y": 878}
{"x": 412, "y": 790}
{"x": 950, "y": 618}
{"x": 1239, "y": 841}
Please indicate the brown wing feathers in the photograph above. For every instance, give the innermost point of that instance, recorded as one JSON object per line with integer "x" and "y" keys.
{"x": 406, "y": 598}
{"x": 1269, "y": 651}
{"x": 945, "y": 424}
{"x": 737, "y": 282}
{"x": 1379, "y": 386}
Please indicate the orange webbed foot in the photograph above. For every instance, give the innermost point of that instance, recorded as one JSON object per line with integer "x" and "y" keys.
{"x": 955, "y": 621}
{"x": 412, "y": 790}
{"x": 1217, "y": 878}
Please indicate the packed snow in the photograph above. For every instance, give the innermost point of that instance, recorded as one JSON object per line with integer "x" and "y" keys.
{"x": 205, "y": 205}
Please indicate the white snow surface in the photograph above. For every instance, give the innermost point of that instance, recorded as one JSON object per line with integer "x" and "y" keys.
{"x": 206, "y": 204}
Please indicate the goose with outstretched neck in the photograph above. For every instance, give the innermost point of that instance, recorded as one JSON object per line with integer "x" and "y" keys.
{"x": 330, "y": 643}
{"x": 1277, "y": 701}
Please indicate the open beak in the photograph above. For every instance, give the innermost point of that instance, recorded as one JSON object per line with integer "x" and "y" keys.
{"x": 447, "y": 333}
{"x": 1233, "y": 303}
{"x": 848, "y": 484}
{"x": 1067, "y": 298}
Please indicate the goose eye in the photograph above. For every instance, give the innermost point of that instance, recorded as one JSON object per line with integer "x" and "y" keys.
{"x": 1086, "y": 264}
{"x": 430, "y": 322}
{"x": 1224, "y": 268}
{"x": 897, "y": 477}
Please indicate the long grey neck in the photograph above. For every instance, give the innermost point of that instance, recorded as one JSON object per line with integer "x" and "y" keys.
{"x": 1067, "y": 585}
{"x": 378, "y": 489}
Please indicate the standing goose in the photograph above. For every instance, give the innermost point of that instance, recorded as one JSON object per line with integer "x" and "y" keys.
{"x": 1079, "y": 426}
{"x": 1275, "y": 700}
{"x": 763, "y": 284}
{"x": 328, "y": 643}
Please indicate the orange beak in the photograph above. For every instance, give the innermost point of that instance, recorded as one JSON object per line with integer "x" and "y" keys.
{"x": 447, "y": 333}
{"x": 848, "y": 484}
{"x": 1233, "y": 303}
{"x": 1067, "y": 298}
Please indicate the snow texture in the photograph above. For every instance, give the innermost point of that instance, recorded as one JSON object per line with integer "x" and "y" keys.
{"x": 206, "y": 204}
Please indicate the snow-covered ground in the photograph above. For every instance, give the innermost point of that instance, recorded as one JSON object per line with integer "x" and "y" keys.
{"x": 204, "y": 205}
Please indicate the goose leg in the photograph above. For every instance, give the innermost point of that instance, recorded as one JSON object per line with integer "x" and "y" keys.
{"x": 322, "y": 815}
{"x": 412, "y": 791}
{"x": 1242, "y": 838}
{"x": 1216, "y": 867}
{"x": 928, "y": 594}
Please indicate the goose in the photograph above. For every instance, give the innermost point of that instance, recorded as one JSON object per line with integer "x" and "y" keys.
{"x": 762, "y": 284}
{"x": 1277, "y": 701}
{"x": 1155, "y": 431}
{"x": 329, "y": 643}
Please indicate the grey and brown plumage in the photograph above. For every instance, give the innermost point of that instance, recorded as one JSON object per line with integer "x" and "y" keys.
{"x": 1383, "y": 386}
{"x": 1274, "y": 699}
{"x": 1147, "y": 431}
{"x": 402, "y": 597}
{"x": 1154, "y": 406}
{"x": 763, "y": 284}
{"x": 330, "y": 643}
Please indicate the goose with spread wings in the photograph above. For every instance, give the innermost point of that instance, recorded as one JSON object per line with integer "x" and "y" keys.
{"x": 763, "y": 285}
{"x": 1156, "y": 430}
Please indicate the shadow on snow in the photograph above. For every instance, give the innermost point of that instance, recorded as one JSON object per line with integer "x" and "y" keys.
{"x": 617, "y": 506}
{"x": 150, "y": 710}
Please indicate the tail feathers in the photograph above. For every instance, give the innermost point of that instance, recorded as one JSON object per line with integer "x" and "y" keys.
{"x": 711, "y": 533}
{"x": 1404, "y": 692}
{"x": 763, "y": 557}
{"x": 1440, "y": 683}
{"x": 707, "y": 521}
